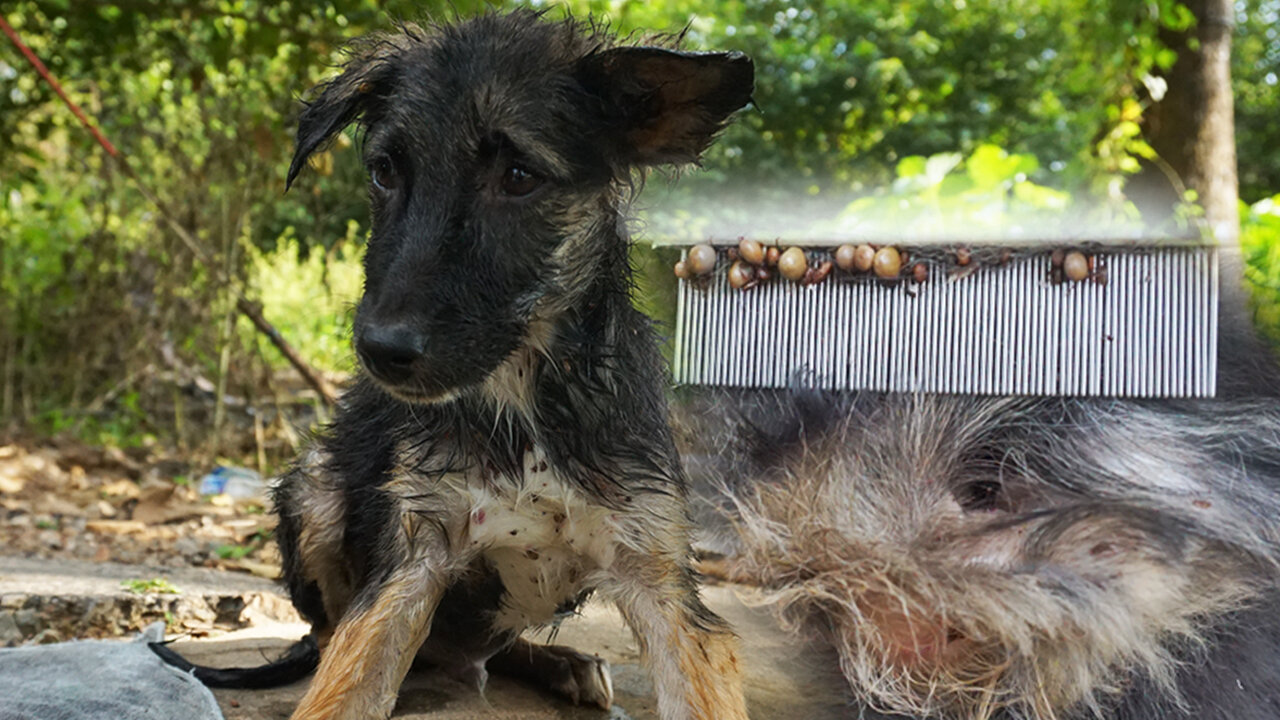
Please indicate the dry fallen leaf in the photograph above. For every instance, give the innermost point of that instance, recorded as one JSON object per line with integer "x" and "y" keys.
{"x": 262, "y": 570}
{"x": 11, "y": 485}
{"x": 115, "y": 527}
{"x": 153, "y": 505}
{"x": 121, "y": 488}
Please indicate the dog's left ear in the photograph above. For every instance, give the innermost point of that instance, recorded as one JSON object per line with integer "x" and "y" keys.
{"x": 664, "y": 106}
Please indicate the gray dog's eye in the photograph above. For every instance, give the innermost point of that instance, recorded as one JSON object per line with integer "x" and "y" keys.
{"x": 518, "y": 182}
{"x": 383, "y": 174}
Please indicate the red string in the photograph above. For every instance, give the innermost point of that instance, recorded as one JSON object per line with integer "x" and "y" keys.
{"x": 44, "y": 73}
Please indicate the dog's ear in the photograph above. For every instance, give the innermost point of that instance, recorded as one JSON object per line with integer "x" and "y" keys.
{"x": 362, "y": 83}
{"x": 664, "y": 106}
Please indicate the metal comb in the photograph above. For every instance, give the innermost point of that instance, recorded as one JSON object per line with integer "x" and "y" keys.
{"x": 1011, "y": 326}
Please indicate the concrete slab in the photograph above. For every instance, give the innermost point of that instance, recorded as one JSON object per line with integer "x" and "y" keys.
{"x": 784, "y": 679}
{"x": 62, "y": 599}
{"x": 51, "y": 600}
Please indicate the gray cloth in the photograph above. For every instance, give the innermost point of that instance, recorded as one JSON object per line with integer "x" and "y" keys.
{"x": 99, "y": 680}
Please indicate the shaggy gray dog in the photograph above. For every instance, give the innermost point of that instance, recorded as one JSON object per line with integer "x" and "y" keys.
{"x": 978, "y": 557}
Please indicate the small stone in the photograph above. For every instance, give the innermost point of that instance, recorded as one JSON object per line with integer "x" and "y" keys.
{"x": 793, "y": 264}
{"x": 48, "y": 636}
{"x": 9, "y": 632}
{"x": 26, "y": 620}
{"x": 189, "y": 547}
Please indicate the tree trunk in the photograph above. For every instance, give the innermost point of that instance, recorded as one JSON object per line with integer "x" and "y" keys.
{"x": 1192, "y": 129}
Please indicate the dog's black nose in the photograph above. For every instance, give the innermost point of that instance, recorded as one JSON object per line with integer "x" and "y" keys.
{"x": 389, "y": 351}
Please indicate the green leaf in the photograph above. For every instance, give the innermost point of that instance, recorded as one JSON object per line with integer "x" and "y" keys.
{"x": 990, "y": 166}
{"x": 911, "y": 166}
{"x": 154, "y": 586}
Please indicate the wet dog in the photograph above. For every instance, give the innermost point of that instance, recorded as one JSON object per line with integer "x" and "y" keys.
{"x": 505, "y": 450}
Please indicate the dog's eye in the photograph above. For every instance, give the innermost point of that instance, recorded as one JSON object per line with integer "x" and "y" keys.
{"x": 518, "y": 182}
{"x": 382, "y": 172}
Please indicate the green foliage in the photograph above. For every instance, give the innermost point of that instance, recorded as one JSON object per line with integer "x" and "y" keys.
{"x": 154, "y": 586}
{"x": 936, "y": 112}
{"x": 987, "y": 192}
{"x": 233, "y": 552}
{"x": 312, "y": 292}
{"x": 845, "y": 90}
{"x": 97, "y": 296}
{"x": 1255, "y": 79}
{"x": 250, "y": 545}
{"x": 1260, "y": 242}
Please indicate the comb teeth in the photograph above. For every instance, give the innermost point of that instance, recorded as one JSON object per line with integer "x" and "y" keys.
{"x": 1149, "y": 331}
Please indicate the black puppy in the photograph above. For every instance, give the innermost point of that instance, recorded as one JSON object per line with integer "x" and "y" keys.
{"x": 505, "y": 449}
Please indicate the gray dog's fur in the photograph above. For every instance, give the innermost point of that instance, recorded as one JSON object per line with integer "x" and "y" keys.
{"x": 976, "y": 557}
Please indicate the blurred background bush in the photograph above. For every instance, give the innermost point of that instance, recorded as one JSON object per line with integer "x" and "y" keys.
{"x": 110, "y": 330}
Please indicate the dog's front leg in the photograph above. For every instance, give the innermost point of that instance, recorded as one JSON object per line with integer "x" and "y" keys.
{"x": 364, "y": 663}
{"x": 691, "y": 653}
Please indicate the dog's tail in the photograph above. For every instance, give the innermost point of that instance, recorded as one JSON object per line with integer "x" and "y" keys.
{"x": 299, "y": 661}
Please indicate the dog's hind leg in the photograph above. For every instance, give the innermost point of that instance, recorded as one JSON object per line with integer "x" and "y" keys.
{"x": 581, "y": 678}
{"x": 691, "y": 653}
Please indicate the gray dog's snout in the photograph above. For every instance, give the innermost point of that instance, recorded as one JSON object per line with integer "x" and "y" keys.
{"x": 389, "y": 351}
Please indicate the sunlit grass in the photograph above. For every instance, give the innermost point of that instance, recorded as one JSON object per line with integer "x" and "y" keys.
{"x": 309, "y": 297}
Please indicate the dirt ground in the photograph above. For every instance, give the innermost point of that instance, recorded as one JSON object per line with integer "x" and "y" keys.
{"x": 64, "y": 499}
{"x": 100, "y": 542}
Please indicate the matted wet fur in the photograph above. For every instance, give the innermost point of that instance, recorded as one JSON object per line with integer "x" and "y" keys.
{"x": 1019, "y": 558}
{"x": 505, "y": 450}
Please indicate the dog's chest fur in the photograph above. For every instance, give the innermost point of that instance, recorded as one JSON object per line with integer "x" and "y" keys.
{"x": 541, "y": 535}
